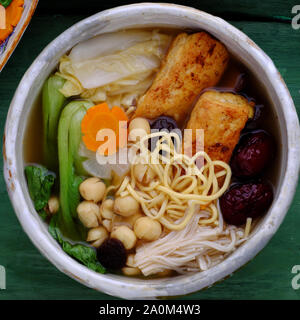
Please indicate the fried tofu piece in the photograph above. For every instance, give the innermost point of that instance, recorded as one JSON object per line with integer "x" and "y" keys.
{"x": 193, "y": 63}
{"x": 222, "y": 116}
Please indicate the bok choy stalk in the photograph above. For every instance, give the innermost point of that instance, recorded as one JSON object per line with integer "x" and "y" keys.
{"x": 53, "y": 102}
{"x": 69, "y": 138}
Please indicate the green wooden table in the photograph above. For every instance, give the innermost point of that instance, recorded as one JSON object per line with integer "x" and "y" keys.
{"x": 268, "y": 276}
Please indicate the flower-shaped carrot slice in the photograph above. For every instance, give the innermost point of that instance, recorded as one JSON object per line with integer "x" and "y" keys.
{"x": 100, "y": 117}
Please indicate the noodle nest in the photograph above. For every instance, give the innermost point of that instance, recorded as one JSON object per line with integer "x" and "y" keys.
{"x": 180, "y": 187}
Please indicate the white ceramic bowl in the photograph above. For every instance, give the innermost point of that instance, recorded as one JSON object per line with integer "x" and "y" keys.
{"x": 151, "y": 15}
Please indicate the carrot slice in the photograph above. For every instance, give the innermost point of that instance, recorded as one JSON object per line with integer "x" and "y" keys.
{"x": 119, "y": 113}
{"x": 122, "y": 135}
{"x": 4, "y": 33}
{"x": 100, "y": 108}
{"x": 98, "y": 118}
{"x": 14, "y": 12}
{"x": 13, "y": 15}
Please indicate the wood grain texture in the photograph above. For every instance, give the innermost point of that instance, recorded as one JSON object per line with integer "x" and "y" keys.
{"x": 237, "y": 10}
{"x": 268, "y": 276}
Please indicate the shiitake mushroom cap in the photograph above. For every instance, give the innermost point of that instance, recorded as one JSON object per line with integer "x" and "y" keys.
{"x": 112, "y": 254}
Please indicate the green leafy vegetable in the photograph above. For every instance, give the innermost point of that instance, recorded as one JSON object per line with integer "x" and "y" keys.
{"x": 5, "y": 3}
{"x": 69, "y": 138}
{"x": 86, "y": 255}
{"x": 53, "y": 102}
{"x": 40, "y": 182}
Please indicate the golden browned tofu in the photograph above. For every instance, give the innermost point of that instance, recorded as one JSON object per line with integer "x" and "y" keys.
{"x": 193, "y": 63}
{"x": 222, "y": 116}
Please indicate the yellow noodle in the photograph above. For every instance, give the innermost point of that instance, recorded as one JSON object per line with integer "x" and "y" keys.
{"x": 179, "y": 187}
{"x": 110, "y": 188}
{"x": 247, "y": 227}
{"x": 213, "y": 218}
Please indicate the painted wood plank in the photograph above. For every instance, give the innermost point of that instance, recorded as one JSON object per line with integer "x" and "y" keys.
{"x": 233, "y": 9}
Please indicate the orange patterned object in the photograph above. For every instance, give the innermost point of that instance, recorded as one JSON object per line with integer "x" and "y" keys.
{"x": 13, "y": 15}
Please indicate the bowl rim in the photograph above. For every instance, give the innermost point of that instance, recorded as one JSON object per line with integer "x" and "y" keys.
{"x": 132, "y": 288}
